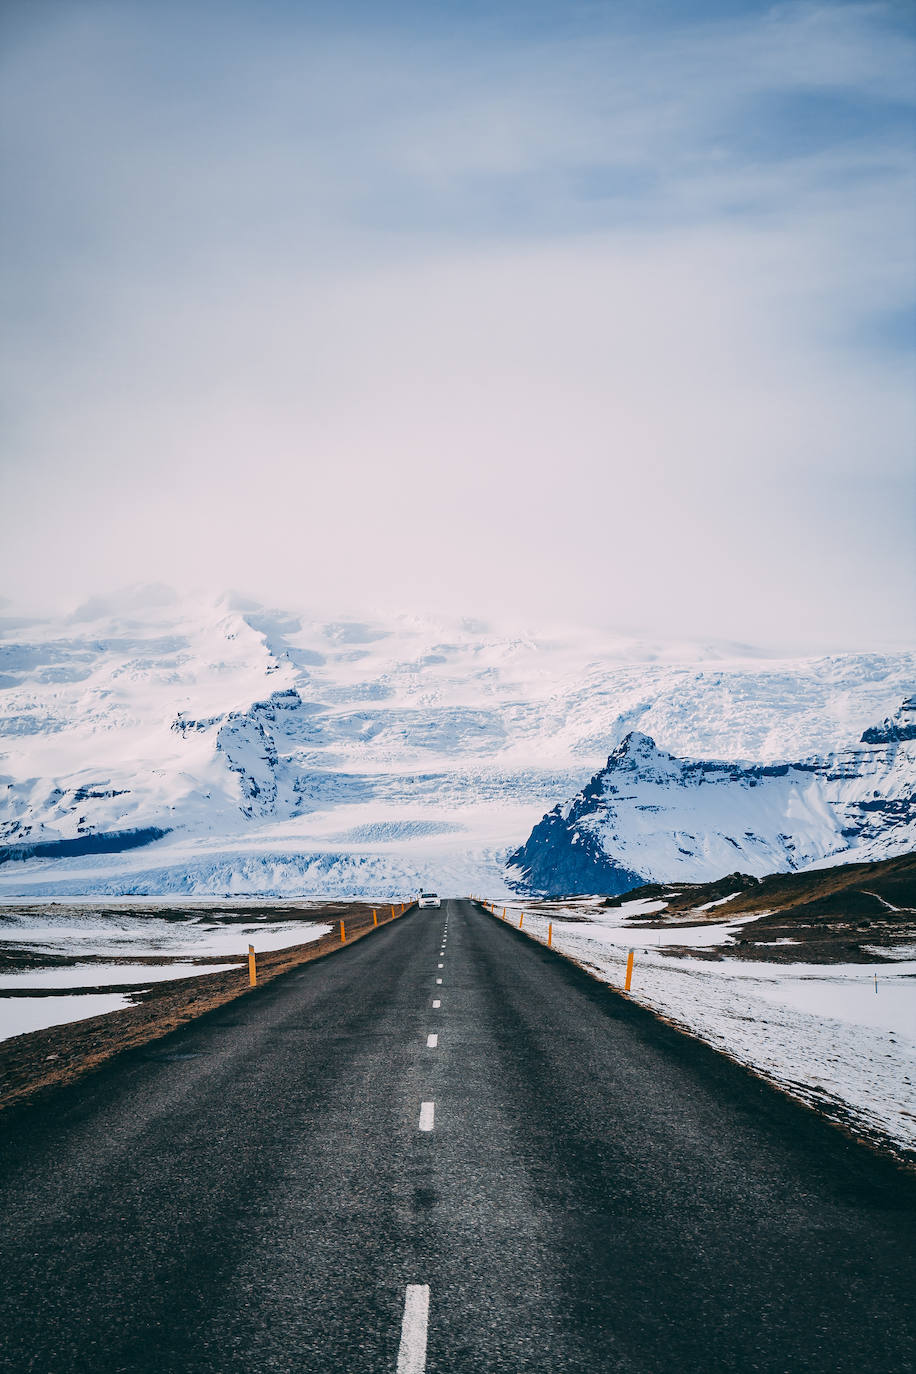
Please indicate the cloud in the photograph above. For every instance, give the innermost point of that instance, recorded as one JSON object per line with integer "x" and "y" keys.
{"x": 592, "y": 318}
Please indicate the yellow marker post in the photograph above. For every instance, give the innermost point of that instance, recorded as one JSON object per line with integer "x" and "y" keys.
{"x": 343, "y": 934}
{"x": 374, "y": 917}
{"x": 520, "y": 919}
{"x": 626, "y": 986}
{"x": 252, "y": 967}
{"x": 393, "y": 913}
{"x": 504, "y": 913}
{"x": 550, "y": 934}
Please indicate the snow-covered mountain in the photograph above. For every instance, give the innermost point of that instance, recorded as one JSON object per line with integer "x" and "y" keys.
{"x": 157, "y": 745}
{"x": 650, "y": 817}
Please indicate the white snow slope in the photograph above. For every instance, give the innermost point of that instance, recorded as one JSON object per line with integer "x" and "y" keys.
{"x": 285, "y": 755}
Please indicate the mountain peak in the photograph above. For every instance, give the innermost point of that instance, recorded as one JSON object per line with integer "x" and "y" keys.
{"x": 668, "y": 818}
{"x": 635, "y": 745}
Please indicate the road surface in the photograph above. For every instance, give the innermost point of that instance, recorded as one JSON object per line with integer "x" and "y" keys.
{"x": 590, "y": 1190}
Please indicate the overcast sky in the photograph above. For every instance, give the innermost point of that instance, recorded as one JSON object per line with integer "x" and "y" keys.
{"x": 601, "y": 311}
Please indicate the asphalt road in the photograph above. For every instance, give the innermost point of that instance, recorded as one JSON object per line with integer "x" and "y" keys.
{"x": 597, "y": 1192}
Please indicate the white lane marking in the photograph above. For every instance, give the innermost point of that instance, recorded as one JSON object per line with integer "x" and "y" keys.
{"x": 427, "y": 1115}
{"x": 442, "y": 966}
{"x": 438, "y": 980}
{"x": 437, "y": 1003}
{"x": 412, "y": 1350}
{"x": 432, "y": 1042}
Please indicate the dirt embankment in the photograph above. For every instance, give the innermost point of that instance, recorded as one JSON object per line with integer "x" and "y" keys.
{"x": 850, "y": 914}
{"x": 43, "y": 1059}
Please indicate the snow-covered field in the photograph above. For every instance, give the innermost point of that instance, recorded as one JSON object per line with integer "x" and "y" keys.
{"x": 82, "y": 930}
{"x": 286, "y": 755}
{"x": 841, "y": 1037}
{"x": 45, "y": 948}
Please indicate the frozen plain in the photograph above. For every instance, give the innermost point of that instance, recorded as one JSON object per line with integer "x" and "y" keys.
{"x": 73, "y": 945}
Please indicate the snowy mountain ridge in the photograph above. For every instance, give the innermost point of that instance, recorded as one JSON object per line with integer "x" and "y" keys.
{"x": 282, "y": 754}
{"x": 648, "y": 816}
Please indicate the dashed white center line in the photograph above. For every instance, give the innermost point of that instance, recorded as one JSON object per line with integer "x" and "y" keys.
{"x": 442, "y": 966}
{"x": 437, "y": 1003}
{"x": 432, "y": 1042}
{"x": 438, "y": 980}
{"x": 412, "y": 1351}
{"x": 427, "y": 1115}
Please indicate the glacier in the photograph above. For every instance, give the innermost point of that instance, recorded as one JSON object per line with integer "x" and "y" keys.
{"x": 250, "y": 750}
